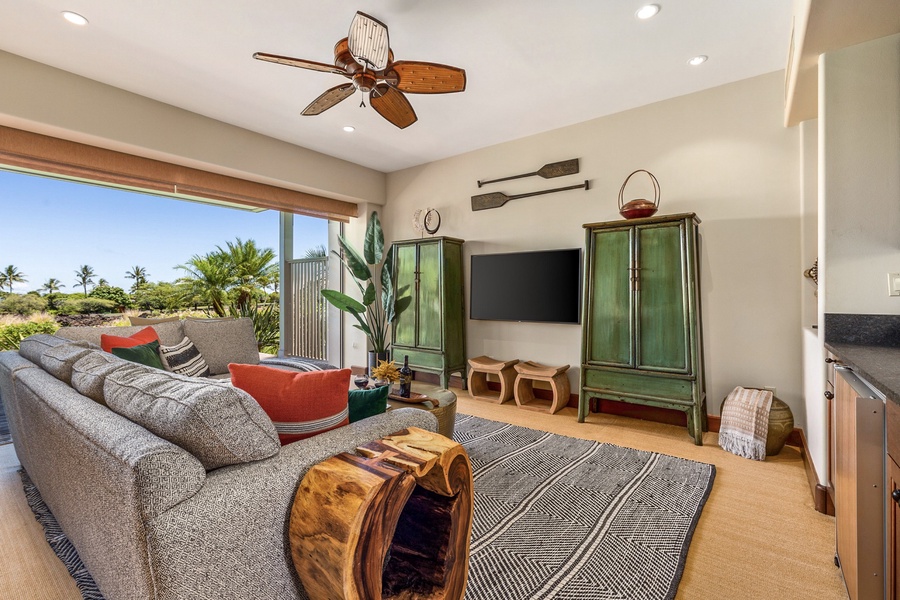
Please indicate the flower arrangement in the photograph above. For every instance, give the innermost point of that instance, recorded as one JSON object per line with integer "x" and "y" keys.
{"x": 386, "y": 371}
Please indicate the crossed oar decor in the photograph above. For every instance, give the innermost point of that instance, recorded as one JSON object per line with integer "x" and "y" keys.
{"x": 548, "y": 171}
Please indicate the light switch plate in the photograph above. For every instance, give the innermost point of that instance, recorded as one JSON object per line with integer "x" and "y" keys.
{"x": 893, "y": 284}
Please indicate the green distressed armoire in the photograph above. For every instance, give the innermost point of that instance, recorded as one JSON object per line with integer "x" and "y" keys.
{"x": 641, "y": 339}
{"x": 432, "y": 331}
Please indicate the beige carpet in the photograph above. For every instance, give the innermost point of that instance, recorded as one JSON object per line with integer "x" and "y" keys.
{"x": 759, "y": 536}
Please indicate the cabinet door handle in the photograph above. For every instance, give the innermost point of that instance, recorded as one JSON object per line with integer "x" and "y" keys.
{"x": 829, "y": 395}
{"x": 895, "y": 495}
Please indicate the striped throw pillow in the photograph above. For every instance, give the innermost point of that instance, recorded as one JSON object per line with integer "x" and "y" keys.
{"x": 184, "y": 358}
{"x": 300, "y": 405}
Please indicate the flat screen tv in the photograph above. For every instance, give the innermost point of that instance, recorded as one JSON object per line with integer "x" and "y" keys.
{"x": 543, "y": 286}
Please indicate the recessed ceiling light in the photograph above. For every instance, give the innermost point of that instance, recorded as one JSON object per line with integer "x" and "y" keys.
{"x": 698, "y": 60}
{"x": 645, "y": 12}
{"x": 349, "y": 128}
{"x": 74, "y": 18}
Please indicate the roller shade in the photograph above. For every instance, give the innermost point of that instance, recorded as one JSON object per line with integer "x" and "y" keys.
{"x": 55, "y": 156}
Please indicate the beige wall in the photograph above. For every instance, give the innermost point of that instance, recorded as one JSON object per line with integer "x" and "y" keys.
{"x": 38, "y": 98}
{"x": 859, "y": 114}
{"x": 722, "y": 153}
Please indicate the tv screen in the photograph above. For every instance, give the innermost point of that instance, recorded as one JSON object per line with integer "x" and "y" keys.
{"x": 542, "y": 286}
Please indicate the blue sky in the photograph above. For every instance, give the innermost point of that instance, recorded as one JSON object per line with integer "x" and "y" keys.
{"x": 50, "y": 227}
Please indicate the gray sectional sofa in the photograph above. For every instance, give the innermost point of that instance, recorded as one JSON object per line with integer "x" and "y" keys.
{"x": 169, "y": 487}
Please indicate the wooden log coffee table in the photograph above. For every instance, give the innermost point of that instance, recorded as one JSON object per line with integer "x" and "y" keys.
{"x": 393, "y": 522}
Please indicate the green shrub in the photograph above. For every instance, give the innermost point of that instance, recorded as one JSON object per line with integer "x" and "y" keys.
{"x": 114, "y": 294}
{"x": 11, "y": 335}
{"x": 25, "y": 305}
{"x": 85, "y": 306}
{"x": 161, "y": 296}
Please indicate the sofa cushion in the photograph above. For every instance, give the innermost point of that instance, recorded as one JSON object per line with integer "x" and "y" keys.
{"x": 300, "y": 405}
{"x": 89, "y": 373}
{"x": 223, "y": 341}
{"x": 144, "y": 354}
{"x": 59, "y": 360}
{"x": 152, "y": 320}
{"x": 367, "y": 403}
{"x": 34, "y": 346}
{"x": 169, "y": 333}
{"x": 184, "y": 358}
{"x": 217, "y": 423}
{"x": 144, "y": 336}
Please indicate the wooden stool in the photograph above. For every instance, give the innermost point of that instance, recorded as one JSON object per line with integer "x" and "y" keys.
{"x": 394, "y": 522}
{"x": 480, "y": 367}
{"x": 529, "y": 372}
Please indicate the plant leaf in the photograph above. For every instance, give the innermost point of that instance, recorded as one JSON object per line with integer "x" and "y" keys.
{"x": 353, "y": 261}
{"x": 369, "y": 296}
{"x": 373, "y": 248}
{"x": 344, "y": 302}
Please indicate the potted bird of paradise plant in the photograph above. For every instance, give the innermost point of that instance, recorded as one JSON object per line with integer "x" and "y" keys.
{"x": 381, "y": 304}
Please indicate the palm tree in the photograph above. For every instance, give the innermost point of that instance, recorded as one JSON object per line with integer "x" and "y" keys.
{"x": 11, "y": 275}
{"x": 253, "y": 269}
{"x": 139, "y": 274}
{"x": 318, "y": 251}
{"x": 102, "y": 282}
{"x": 84, "y": 277}
{"x": 209, "y": 277}
{"x": 52, "y": 285}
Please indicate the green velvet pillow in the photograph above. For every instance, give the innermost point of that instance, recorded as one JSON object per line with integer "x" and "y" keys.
{"x": 145, "y": 354}
{"x": 367, "y": 403}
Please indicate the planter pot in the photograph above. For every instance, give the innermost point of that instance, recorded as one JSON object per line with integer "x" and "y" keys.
{"x": 374, "y": 359}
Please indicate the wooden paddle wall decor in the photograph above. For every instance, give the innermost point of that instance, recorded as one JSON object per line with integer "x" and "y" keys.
{"x": 548, "y": 171}
{"x": 498, "y": 199}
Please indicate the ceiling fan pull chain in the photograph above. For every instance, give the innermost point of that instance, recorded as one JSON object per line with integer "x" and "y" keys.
{"x": 362, "y": 102}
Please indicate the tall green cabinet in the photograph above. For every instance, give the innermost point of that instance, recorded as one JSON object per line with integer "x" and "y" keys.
{"x": 432, "y": 331}
{"x": 641, "y": 340}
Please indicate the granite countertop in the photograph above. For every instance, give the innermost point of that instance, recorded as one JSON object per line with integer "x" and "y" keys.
{"x": 870, "y": 345}
{"x": 879, "y": 365}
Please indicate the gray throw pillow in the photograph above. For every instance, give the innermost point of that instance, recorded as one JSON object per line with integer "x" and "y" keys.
{"x": 217, "y": 423}
{"x": 223, "y": 341}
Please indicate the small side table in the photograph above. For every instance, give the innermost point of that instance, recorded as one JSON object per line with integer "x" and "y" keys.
{"x": 528, "y": 373}
{"x": 482, "y": 366}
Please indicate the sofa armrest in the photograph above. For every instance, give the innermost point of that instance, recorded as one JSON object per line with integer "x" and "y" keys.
{"x": 236, "y": 527}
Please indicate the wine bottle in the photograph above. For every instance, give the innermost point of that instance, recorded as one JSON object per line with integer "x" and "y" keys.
{"x": 405, "y": 378}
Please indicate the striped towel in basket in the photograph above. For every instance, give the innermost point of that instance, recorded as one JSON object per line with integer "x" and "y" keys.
{"x": 745, "y": 422}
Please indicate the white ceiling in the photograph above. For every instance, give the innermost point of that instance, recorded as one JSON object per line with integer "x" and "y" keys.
{"x": 531, "y": 65}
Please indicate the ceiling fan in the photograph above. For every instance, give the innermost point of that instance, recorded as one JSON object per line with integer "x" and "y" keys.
{"x": 366, "y": 59}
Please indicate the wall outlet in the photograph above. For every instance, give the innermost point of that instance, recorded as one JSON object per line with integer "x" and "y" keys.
{"x": 893, "y": 284}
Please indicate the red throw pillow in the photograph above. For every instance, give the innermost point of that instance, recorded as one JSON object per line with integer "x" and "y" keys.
{"x": 300, "y": 404}
{"x": 144, "y": 336}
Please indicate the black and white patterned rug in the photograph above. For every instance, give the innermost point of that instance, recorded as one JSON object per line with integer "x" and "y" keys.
{"x": 555, "y": 517}
{"x": 5, "y": 437}
{"x": 559, "y": 517}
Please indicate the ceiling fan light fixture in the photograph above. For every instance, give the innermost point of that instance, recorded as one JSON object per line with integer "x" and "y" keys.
{"x": 698, "y": 60}
{"x": 74, "y": 18}
{"x": 647, "y": 11}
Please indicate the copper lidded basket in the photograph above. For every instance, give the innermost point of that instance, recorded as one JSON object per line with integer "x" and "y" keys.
{"x": 636, "y": 209}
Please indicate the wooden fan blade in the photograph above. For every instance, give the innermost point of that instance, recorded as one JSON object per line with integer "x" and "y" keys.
{"x": 426, "y": 78}
{"x": 368, "y": 41}
{"x": 392, "y": 105}
{"x": 329, "y": 99}
{"x": 299, "y": 62}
